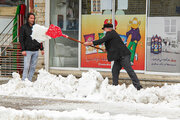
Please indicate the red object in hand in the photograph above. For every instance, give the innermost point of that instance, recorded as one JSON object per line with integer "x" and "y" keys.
{"x": 54, "y": 31}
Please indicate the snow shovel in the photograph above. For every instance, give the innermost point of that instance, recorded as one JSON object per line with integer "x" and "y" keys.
{"x": 55, "y": 31}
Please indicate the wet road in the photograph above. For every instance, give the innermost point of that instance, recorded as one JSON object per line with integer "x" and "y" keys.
{"x": 149, "y": 110}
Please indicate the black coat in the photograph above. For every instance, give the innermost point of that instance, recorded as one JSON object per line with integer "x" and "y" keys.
{"x": 27, "y": 44}
{"x": 115, "y": 47}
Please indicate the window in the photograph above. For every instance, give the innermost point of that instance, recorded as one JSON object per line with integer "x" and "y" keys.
{"x": 164, "y": 8}
{"x": 170, "y": 25}
{"x": 163, "y": 36}
{"x": 130, "y": 7}
{"x": 96, "y": 7}
{"x": 65, "y": 14}
{"x": 126, "y": 7}
{"x": 10, "y": 2}
{"x": 94, "y": 14}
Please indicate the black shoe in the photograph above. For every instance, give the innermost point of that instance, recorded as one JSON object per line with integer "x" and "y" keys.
{"x": 140, "y": 87}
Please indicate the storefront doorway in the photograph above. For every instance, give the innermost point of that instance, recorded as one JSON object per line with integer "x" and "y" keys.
{"x": 91, "y": 15}
{"x": 65, "y": 14}
{"x": 84, "y": 19}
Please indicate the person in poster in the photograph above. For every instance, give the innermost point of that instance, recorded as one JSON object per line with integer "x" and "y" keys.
{"x": 101, "y": 35}
{"x": 89, "y": 38}
{"x": 135, "y": 33}
{"x": 117, "y": 52}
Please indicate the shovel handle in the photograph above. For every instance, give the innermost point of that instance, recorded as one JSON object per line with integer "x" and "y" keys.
{"x": 80, "y": 42}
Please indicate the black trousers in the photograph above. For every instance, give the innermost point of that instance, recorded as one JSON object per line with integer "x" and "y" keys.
{"x": 124, "y": 62}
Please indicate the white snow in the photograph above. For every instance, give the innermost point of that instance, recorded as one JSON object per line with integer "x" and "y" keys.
{"x": 39, "y": 33}
{"x": 91, "y": 86}
{"x": 79, "y": 114}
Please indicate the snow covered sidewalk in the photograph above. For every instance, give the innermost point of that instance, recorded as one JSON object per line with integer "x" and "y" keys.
{"x": 79, "y": 114}
{"x": 91, "y": 86}
{"x": 118, "y": 101}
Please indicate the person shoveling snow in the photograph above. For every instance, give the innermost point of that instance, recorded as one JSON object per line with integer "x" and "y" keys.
{"x": 117, "y": 52}
{"x": 120, "y": 56}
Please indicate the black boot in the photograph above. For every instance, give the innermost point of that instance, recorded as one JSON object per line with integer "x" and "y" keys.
{"x": 139, "y": 87}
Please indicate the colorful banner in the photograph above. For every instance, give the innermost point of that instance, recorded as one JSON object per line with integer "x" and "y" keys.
{"x": 130, "y": 28}
{"x": 163, "y": 43}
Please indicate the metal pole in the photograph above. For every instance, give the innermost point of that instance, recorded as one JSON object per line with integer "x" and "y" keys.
{"x": 80, "y": 30}
{"x": 7, "y": 33}
{"x": 113, "y": 13}
{"x": 7, "y": 26}
{"x": 47, "y": 22}
{"x": 113, "y": 20}
{"x": 146, "y": 33}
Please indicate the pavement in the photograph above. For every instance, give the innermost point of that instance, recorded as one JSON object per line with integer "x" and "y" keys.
{"x": 4, "y": 80}
{"x": 146, "y": 110}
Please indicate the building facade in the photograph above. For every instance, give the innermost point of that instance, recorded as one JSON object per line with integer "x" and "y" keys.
{"x": 149, "y": 28}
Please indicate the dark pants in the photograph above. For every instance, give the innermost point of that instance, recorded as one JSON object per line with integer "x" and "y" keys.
{"x": 124, "y": 62}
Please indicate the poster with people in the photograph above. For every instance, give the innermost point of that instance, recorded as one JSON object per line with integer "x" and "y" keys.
{"x": 130, "y": 28}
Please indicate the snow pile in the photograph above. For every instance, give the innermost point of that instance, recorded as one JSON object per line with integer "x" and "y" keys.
{"x": 91, "y": 86}
{"x": 154, "y": 95}
{"x": 79, "y": 114}
{"x": 39, "y": 33}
